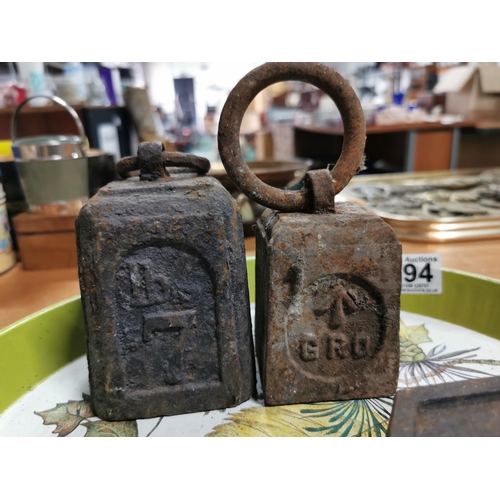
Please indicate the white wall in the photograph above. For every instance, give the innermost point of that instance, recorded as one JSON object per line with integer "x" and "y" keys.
{"x": 213, "y": 82}
{"x": 346, "y": 69}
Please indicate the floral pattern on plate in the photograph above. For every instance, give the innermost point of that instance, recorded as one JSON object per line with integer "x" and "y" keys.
{"x": 432, "y": 351}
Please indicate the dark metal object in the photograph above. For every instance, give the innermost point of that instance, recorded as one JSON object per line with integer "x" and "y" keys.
{"x": 456, "y": 409}
{"x": 164, "y": 290}
{"x": 101, "y": 171}
{"x": 327, "y": 307}
{"x": 328, "y": 283}
{"x": 328, "y": 80}
{"x": 129, "y": 166}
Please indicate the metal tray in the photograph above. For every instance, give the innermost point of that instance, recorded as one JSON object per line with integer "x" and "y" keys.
{"x": 427, "y": 229}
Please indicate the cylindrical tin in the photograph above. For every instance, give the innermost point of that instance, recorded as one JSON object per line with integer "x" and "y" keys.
{"x": 53, "y": 169}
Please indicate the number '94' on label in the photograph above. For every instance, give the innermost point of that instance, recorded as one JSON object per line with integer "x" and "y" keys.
{"x": 421, "y": 273}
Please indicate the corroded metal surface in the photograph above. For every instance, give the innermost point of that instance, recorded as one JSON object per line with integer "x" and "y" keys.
{"x": 351, "y": 158}
{"x": 127, "y": 167}
{"x": 328, "y": 281}
{"x": 469, "y": 408}
{"x": 327, "y": 309}
{"x": 165, "y": 296}
{"x": 320, "y": 184}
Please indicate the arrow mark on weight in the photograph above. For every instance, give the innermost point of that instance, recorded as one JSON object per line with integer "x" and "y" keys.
{"x": 338, "y": 304}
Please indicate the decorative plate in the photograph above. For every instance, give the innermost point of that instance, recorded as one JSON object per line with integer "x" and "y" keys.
{"x": 44, "y": 378}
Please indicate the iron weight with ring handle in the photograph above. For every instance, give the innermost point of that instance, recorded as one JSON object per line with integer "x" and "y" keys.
{"x": 328, "y": 276}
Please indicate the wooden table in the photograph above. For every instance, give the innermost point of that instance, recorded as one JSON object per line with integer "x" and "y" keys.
{"x": 415, "y": 146}
{"x": 25, "y": 292}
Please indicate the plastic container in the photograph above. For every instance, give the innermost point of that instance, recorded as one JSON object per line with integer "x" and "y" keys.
{"x": 71, "y": 85}
{"x": 33, "y": 76}
{"x": 5, "y": 150}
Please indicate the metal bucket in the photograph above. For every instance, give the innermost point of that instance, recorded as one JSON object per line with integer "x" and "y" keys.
{"x": 53, "y": 169}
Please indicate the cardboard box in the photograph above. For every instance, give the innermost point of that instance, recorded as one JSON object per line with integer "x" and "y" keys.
{"x": 46, "y": 241}
{"x": 264, "y": 148}
{"x": 472, "y": 91}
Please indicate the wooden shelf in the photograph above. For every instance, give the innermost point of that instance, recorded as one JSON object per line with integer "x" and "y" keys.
{"x": 396, "y": 127}
{"x": 488, "y": 125}
{"x": 419, "y": 146}
{"x": 52, "y": 108}
{"x": 44, "y": 120}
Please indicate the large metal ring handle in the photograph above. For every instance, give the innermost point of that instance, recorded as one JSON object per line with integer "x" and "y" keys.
{"x": 57, "y": 100}
{"x": 326, "y": 79}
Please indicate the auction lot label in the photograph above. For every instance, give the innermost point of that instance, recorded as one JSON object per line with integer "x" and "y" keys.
{"x": 421, "y": 273}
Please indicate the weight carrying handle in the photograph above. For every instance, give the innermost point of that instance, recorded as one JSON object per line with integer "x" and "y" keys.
{"x": 321, "y": 186}
{"x": 57, "y": 100}
{"x": 152, "y": 161}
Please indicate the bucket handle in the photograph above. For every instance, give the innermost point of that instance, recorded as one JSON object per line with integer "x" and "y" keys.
{"x": 62, "y": 103}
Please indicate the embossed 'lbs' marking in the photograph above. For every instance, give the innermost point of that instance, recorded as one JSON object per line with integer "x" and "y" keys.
{"x": 147, "y": 289}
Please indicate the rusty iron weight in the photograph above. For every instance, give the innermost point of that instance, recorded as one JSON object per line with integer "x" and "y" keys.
{"x": 328, "y": 276}
{"x": 327, "y": 305}
{"x": 351, "y": 158}
{"x": 164, "y": 290}
{"x": 468, "y": 408}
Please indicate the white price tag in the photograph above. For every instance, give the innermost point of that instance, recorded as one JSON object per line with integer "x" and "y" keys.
{"x": 421, "y": 273}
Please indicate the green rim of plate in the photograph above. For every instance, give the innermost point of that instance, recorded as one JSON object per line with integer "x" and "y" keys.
{"x": 467, "y": 300}
{"x": 37, "y": 346}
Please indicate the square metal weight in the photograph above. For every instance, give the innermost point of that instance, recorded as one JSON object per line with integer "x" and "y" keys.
{"x": 165, "y": 297}
{"x": 469, "y": 408}
{"x": 327, "y": 308}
